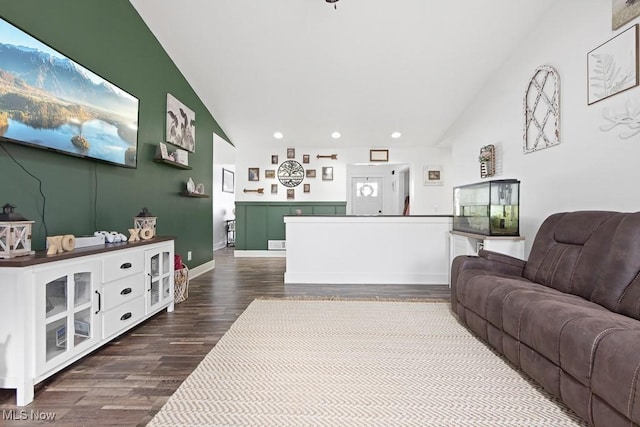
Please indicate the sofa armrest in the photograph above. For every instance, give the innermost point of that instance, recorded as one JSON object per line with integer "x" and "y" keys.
{"x": 506, "y": 260}
{"x": 486, "y": 260}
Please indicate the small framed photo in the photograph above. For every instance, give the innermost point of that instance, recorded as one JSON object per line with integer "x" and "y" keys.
{"x": 307, "y": 188}
{"x": 378, "y": 155}
{"x": 291, "y": 153}
{"x": 254, "y": 174}
{"x": 291, "y": 194}
{"x": 432, "y": 175}
{"x": 227, "y": 181}
{"x": 305, "y": 158}
{"x": 270, "y": 173}
{"x": 274, "y": 188}
{"x": 162, "y": 152}
{"x": 327, "y": 173}
{"x": 310, "y": 173}
{"x": 274, "y": 159}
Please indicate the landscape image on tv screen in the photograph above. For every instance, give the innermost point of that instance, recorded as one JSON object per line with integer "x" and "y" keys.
{"x": 49, "y": 101}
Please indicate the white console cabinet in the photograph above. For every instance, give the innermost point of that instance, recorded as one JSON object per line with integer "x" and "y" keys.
{"x": 56, "y": 309}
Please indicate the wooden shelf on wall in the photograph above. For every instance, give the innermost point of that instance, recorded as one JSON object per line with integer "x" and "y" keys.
{"x": 171, "y": 163}
{"x": 198, "y": 195}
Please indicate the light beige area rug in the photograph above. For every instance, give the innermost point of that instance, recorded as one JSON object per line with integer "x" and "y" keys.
{"x": 356, "y": 363}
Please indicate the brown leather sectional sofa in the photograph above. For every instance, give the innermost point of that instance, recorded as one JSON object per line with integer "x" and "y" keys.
{"x": 569, "y": 316}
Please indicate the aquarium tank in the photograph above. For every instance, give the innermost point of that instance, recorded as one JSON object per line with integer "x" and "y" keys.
{"x": 490, "y": 208}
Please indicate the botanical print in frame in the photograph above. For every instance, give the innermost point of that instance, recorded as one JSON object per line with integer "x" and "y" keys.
{"x": 181, "y": 124}
{"x": 623, "y": 11}
{"x": 613, "y": 66}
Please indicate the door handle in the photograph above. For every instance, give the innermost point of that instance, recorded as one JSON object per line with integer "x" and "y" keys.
{"x": 125, "y": 291}
{"x": 126, "y": 316}
{"x": 125, "y": 265}
{"x": 99, "y": 302}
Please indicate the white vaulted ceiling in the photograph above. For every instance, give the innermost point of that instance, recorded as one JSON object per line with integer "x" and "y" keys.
{"x": 365, "y": 69}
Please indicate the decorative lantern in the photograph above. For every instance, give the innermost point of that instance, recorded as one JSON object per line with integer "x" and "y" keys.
{"x": 15, "y": 233}
{"x": 145, "y": 221}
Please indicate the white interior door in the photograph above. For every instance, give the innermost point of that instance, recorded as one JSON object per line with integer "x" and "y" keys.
{"x": 366, "y": 195}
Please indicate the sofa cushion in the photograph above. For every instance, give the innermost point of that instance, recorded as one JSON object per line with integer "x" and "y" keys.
{"x": 616, "y": 367}
{"x": 592, "y": 254}
{"x": 537, "y": 319}
{"x": 581, "y": 337}
{"x": 556, "y": 252}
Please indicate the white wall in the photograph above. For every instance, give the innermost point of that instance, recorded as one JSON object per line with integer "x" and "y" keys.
{"x": 425, "y": 200}
{"x": 590, "y": 169}
{"x": 224, "y": 156}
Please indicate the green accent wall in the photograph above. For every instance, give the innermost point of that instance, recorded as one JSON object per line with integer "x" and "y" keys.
{"x": 110, "y": 38}
{"x": 259, "y": 222}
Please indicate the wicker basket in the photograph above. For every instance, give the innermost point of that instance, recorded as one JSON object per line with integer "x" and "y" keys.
{"x": 181, "y": 284}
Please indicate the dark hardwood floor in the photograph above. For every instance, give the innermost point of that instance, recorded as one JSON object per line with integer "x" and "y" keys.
{"x": 127, "y": 381}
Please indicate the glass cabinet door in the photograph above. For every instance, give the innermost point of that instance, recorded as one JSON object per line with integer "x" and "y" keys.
{"x": 66, "y": 313}
{"x": 159, "y": 275}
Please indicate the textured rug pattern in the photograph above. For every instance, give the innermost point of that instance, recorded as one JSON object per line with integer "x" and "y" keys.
{"x": 356, "y": 363}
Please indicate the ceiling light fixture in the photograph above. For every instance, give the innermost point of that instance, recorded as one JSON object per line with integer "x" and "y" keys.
{"x": 396, "y": 135}
{"x": 335, "y": 135}
{"x": 278, "y": 135}
{"x": 332, "y": 1}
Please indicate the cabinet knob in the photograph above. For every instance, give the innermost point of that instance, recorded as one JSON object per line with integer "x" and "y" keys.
{"x": 126, "y": 316}
{"x": 125, "y": 291}
{"x": 125, "y": 265}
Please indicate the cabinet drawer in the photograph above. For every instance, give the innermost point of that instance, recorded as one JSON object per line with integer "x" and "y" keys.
{"x": 122, "y": 265}
{"x": 123, "y": 316}
{"x": 121, "y": 291}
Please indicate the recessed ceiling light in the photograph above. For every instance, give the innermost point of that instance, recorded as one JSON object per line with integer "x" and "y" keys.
{"x": 335, "y": 135}
{"x": 396, "y": 135}
{"x": 278, "y": 135}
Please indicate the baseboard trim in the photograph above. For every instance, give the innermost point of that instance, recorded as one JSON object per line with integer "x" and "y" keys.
{"x": 259, "y": 254}
{"x": 201, "y": 269}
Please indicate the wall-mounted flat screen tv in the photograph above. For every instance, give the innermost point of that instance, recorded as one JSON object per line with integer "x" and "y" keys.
{"x": 49, "y": 101}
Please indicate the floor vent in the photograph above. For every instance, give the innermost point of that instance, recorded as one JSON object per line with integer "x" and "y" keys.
{"x": 277, "y": 245}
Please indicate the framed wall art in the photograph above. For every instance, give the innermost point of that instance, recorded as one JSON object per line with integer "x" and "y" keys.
{"x": 327, "y": 173}
{"x": 307, "y": 188}
{"x": 378, "y": 155}
{"x": 305, "y": 158}
{"x": 291, "y": 194}
{"x": 310, "y": 173}
{"x": 541, "y": 114}
{"x": 270, "y": 173}
{"x": 274, "y": 159}
{"x": 432, "y": 175}
{"x": 254, "y": 174}
{"x": 181, "y": 124}
{"x": 612, "y": 67}
{"x": 274, "y": 188}
{"x": 227, "y": 181}
{"x": 291, "y": 153}
{"x": 623, "y": 11}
